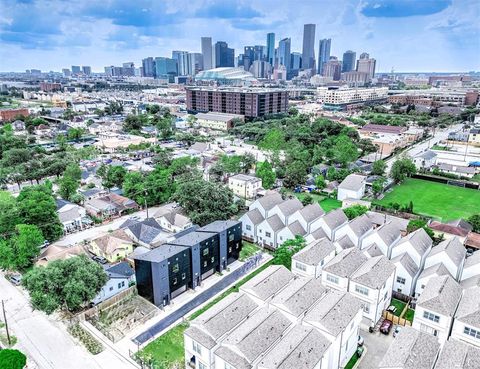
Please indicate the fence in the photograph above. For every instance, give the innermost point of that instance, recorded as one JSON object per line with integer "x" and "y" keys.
{"x": 396, "y": 319}
{"x": 445, "y": 180}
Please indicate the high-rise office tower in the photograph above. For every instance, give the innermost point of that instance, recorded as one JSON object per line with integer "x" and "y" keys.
{"x": 66, "y": 72}
{"x": 261, "y": 69}
{"x": 166, "y": 68}
{"x": 366, "y": 65}
{"x": 308, "y": 51}
{"x": 148, "y": 67}
{"x": 207, "y": 53}
{"x": 349, "y": 58}
{"x": 128, "y": 69}
{"x": 224, "y": 56}
{"x": 333, "y": 68}
{"x": 323, "y": 53}
{"x": 295, "y": 64}
{"x": 284, "y": 53}
{"x": 271, "y": 48}
{"x": 76, "y": 69}
{"x": 195, "y": 63}
{"x": 87, "y": 70}
{"x": 259, "y": 52}
{"x": 182, "y": 62}
{"x": 248, "y": 56}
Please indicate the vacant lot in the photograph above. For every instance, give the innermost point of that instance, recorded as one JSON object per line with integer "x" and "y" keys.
{"x": 435, "y": 199}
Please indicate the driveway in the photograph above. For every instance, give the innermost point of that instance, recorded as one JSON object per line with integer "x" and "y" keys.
{"x": 377, "y": 345}
{"x": 45, "y": 340}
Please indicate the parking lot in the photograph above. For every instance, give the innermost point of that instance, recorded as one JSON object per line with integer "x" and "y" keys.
{"x": 377, "y": 345}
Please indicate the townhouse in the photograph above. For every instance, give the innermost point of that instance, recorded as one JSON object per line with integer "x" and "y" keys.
{"x": 466, "y": 326}
{"x": 436, "y": 306}
{"x": 353, "y": 232}
{"x": 310, "y": 261}
{"x": 250, "y": 222}
{"x": 385, "y": 237}
{"x": 307, "y": 216}
{"x": 330, "y": 223}
{"x": 406, "y": 274}
{"x": 471, "y": 267}
{"x": 458, "y": 355}
{"x": 434, "y": 271}
{"x": 451, "y": 253}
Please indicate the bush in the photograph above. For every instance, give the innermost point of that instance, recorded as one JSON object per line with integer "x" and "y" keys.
{"x": 90, "y": 343}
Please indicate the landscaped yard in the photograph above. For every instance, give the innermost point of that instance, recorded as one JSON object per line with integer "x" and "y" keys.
{"x": 400, "y": 305}
{"x": 435, "y": 199}
{"x": 351, "y": 363}
{"x": 248, "y": 249}
{"x": 329, "y": 204}
{"x": 409, "y": 314}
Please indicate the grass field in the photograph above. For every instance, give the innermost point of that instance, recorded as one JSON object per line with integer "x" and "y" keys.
{"x": 435, "y": 199}
{"x": 326, "y": 203}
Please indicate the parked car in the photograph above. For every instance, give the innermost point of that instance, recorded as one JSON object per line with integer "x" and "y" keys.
{"x": 360, "y": 341}
{"x": 99, "y": 259}
{"x": 397, "y": 330}
{"x": 15, "y": 279}
{"x": 386, "y": 326}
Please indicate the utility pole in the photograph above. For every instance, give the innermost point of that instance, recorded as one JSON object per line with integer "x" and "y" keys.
{"x": 6, "y": 324}
{"x": 146, "y": 206}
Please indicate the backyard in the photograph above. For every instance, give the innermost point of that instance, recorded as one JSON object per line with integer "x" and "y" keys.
{"x": 248, "y": 249}
{"x": 326, "y": 203}
{"x": 436, "y": 200}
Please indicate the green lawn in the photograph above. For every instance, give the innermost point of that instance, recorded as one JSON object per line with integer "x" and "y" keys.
{"x": 167, "y": 351}
{"x": 301, "y": 196}
{"x": 400, "y": 305}
{"x": 435, "y": 199}
{"x": 409, "y": 314}
{"x": 351, "y": 363}
{"x": 329, "y": 204}
{"x": 248, "y": 249}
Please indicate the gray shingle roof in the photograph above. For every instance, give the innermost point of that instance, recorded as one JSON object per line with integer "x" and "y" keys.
{"x": 314, "y": 253}
{"x": 346, "y": 263}
{"x": 437, "y": 269}
{"x": 411, "y": 349}
{"x": 441, "y": 294}
{"x": 311, "y": 212}
{"x": 299, "y": 295}
{"x": 275, "y": 223}
{"x": 319, "y": 234}
{"x": 468, "y": 310}
{"x": 245, "y": 178}
{"x": 161, "y": 253}
{"x": 301, "y": 348}
{"x": 361, "y": 225}
{"x": 380, "y": 219}
{"x": 453, "y": 248}
{"x": 389, "y": 232}
{"x": 290, "y": 206}
{"x": 255, "y": 216}
{"x": 373, "y": 250}
{"x": 458, "y": 355}
{"x": 269, "y": 201}
{"x": 374, "y": 272}
{"x": 407, "y": 262}
{"x": 232, "y": 358}
{"x": 201, "y": 337}
{"x": 334, "y": 312}
{"x": 345, "y": 242}
{"x": 352, "y": 182}
{"x": 335, "y": 218}
{"x": 472, "y": 260}
{"x": 296, "y": 228}
{"x": 419, "y": 239}
{"x": 267, "y": 283}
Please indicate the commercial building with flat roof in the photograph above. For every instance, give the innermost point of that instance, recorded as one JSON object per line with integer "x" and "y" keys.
{"x": 250, "y": 102}
{"x": 217, "y": 121}
{"x": 346, "y": 98}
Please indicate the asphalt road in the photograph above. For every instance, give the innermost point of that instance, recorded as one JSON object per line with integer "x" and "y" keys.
{"x": 45, "y": 340}
{"x": 194, "y": 303}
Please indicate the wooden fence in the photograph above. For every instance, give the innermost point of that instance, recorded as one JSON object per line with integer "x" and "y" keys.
{"x": 396, "y": 319}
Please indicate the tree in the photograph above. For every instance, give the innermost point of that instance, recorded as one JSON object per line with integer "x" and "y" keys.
{"x": 75, "y": 133}
{"x": 9, "y": 217}
{"x": 22, "y": 248}
{"x": 355, "y": 211}
{"x": 474, "y": 221}
{"x": 265, "y": 172}
{"x": 401, "y": 169}
{"x": 366, "y": 146}
{"x": 205, "y": 202}
{"x": 70, "y": 181}
{"x": 115, "y": 176}
{"x": 295, "y": 174}
{"x": 345, "y": 151}
{"x": 37, "y": 206}
{"x": 274, "y": 140}
{"x": 12, "y": 359}
{"x": 283, "y": 253}
{"x": 377, "y": 186}
{"x": 182, "y": 165}
{"x": 307, "y": 200}
{"x": 132, "y": 123}
{"x": 415, "y": 224}
{"x": 71, "y": 283}
{"x": 160, "y": 186}
{"x": 320, "y": 182}
{"x": 134, "y": 187}
{"x": 378, "y": 168}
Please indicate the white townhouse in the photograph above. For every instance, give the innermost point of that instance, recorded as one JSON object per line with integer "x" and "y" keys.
{"x": 250, "y": 222}
{"x": 316, "y": 235}
{"x": 458, "y": 355}
{"x": 406, "y": 274}
{"x": 466, "y": 326}
{"x": 352, "y": 187}
{"x": 436, "y": 307}
{"x": 416, "y": 244}
{"x": 337, "y": 316}
{"x": 330, "y": 223}
{"x": 266, "y": 203}
{"x": 285, "y": 209}
{"x": 337, "y": 273}
{"x": 354, "y": 232}
{"x": 372, "y": 284}
{"x": 434, "y": 271}
{"x": 267, "y": 231}
{"x": 471, "y": 267}
{"x": 310, "y": 261}
{"x": 244, "y": 186}
{"x": 206, "y": 332}
{"x": 385, "y": 237}
{"x": 289, "y": 232}
{"x": 411, "y": 349}
{"x": 307, "y": 216}
{"x": 451, "y": 253}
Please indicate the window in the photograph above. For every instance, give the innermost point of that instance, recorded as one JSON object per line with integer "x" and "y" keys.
{"x": 248, "y": 227}
{"x": 201, "y": 365}
{"x": 175, "y": 281}
{"x": 111, "y": 288}
{"x": 196, "y": 348}
{"x": 385, "y": 296}
{"x": 332, "y": 278}
{"x": 213, "y": 259}
{"x": 362, "y": 290}
{"x": 184, "y": 275}
{"x": 427, "y": 329}
{"x": 231, "y": 237}
{"x": 400, "y": 280}
{"x": 431, "y": 316}
{"x": 175, "y": 268}
{"x": 230, "y": 249}
{"x": 268, "y": 234}
{"x": 300, "y": 266}
{"x": 119, "y": 285}
{"x": 205, "y": 252}
{"x": 205, "y": 264}
{"x": 472, "y": 332}
{"x": 366, "y": 307}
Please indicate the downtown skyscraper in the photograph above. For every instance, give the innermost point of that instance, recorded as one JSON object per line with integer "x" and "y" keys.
{"x": 324, "y": 46}
{"x": 349, "y": 58}
{"x": 308, "y": 50}
{"x": 284, "y": 57}
{"x": 271, "y": 48}
{"x": 207, "y": 53}
{"x": 224, "y": 56}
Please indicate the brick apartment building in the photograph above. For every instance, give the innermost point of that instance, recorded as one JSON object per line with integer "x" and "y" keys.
{"x": 10, "y": 114}
{"x": 249, "y": 102}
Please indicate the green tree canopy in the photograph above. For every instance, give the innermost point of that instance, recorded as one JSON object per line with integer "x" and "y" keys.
{"x": 71, "y": 283}
{"x": 283, "y": 253}
{"x": 115, "y": 176}
{"x": 355, "y": 211}
{"x": 295, "y": 174}
{"x": 415, "y": 224}
{"x": 12, "y": 359}
{"x": 401, "y": 169}
{"x": 9, "y": 216}
{"x": 474, "y": 221}
{"x": 265, "y": 172}
{"x": 378, "y": 168}
{"x": 19, "y": 251}
{"x": 70, "y": 181}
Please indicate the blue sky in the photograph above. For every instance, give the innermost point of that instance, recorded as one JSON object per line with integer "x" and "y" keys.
{"x": 407, "y": 35}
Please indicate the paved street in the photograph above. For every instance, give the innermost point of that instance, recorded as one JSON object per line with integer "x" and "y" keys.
{"x": 45, "y": 340}
{"x": 377, "y": 345}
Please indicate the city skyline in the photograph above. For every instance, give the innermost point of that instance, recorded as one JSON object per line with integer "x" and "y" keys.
{"x": 51, "y": 35}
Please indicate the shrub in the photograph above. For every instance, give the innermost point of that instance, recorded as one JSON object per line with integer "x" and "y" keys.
{"x": 90, "y": 343}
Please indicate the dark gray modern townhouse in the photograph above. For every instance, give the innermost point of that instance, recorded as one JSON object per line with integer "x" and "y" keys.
{"x": 170, "y": 269}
